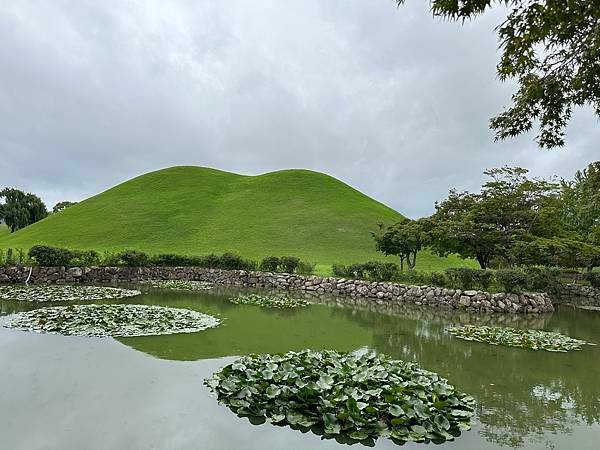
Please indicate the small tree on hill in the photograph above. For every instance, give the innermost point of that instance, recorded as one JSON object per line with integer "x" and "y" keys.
{"x": 403, "y": 239}
{"x": 62, "y": 205}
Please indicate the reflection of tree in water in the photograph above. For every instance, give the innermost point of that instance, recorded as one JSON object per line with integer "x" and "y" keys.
{"x": 521, "y": 394}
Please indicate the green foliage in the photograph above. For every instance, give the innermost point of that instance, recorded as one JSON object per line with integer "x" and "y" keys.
{"x": 552, "y": 49}
{"x": 269, "y": 264}
{"x": 181, "y": 285}
{"x": 404, "y": 239}
{"x": 133, "y": 258}
{"x": 269, "y": 301}
{"x": 487, "y": 225}
{"x": 594, "y": 279}
{"x": 371, "y": 270}
{"x": 467, "y": 278}
{"x": 84, "y": 258}
{"x": 20, "y": 209}
{"x": 512, "y": 337}
{"x": 119, "y": 320}
{"x": 305, "y": 268}
{"x": 45, "y": 255}
{"x": 60, "y": 206}
{"x": 514, "y": 281}
{"x": 62, "y": 293}
{"x": 198, "y": 211}
{"x": 287, "y": 264}
{"x": 354, "y": 396}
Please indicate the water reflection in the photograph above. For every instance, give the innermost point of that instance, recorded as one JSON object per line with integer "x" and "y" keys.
{"x": 525, "y": 398}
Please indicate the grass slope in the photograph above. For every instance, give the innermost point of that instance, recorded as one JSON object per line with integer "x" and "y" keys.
{"x": 195, "y": 210}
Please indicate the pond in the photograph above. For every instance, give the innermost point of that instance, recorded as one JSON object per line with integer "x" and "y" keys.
{"x": 72, "y": 393}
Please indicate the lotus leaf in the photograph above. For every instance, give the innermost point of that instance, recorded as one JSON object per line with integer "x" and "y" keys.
{"x": 394, "y": 399}
{"x": 62, "y": 293}
{"x": 180, "y": 285}
{"x": 269, "y": 301}
{"x": 111, "y": 320}
{"x": 513, "y": 337}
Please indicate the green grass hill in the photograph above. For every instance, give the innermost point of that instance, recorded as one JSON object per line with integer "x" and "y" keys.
{"x": 196, "y": 210}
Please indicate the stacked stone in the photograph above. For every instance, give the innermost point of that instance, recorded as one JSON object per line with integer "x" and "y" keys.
{"x": 469, "y": 300}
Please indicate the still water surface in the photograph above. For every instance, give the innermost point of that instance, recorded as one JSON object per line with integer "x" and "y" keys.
{"x": 73, "y": 393}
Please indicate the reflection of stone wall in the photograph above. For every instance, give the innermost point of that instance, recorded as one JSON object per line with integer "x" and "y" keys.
{"x": 476, "y": 301}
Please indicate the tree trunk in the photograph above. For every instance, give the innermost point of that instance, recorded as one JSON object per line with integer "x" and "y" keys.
{"x": 411, "y": 265}
{"x": 482, "y": 260}
{"x": 402, "y": 263}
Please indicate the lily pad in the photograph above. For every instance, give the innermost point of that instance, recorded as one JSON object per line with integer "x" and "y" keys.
{"x": 513, "y": 337}
{"x": 320, "y": 390}
{"x": 180, "y": 285}
{"x": 111, "y": 320}
{"x": 269, "y": 301}
{"x": 62, "y": 292}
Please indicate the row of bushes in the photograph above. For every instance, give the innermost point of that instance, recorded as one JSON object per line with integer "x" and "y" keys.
{"x": 44, "y": 255}
{"x": 514, "y": 280}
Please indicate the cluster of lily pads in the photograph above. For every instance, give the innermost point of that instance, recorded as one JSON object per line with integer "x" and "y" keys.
{"x": 346, "y": 396}
{"x": 269, "y": 301}
{"x": 118, "y": 320}
{"x": 180, "y": 284}
{"x": 513, "y": 337}
{"x": 62, "y": 293}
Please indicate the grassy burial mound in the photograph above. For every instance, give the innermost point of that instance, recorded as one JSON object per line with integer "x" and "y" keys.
{"x": 195, "y": 210}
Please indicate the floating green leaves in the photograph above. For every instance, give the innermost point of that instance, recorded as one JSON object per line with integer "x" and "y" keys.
{"x": 180, "y": 285}
{"x": 269, "y": 301}
{"x": 111, "y": 320}
{"x": 513, "y": 337}
{"x": 62, "y": 292}
{"x": 346, "y": 396}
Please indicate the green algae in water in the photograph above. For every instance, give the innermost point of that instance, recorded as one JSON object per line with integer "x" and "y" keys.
{"x": 120, "y": 320}
{"x": 351, "y": 397}
{"x": 513, "y": 337}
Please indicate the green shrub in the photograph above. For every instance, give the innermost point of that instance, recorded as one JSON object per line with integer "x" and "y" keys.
{"x": 513, "y": 281}
{"x": 2, "y": 258}
{"x": 173, "y": 260}
{"x": 438, "y": 279}
{"x": 48, "y": 256}
{"x": 270, "y": 264}
{"x": 85, "y": 258}
{"x": 231, "y": 261}
{"x": 542, "y": 279}
{"x": 340, "y": 270}
{"x": 305, "y": 268}
{"x": 462, "y": 277}
{"x": 288, "y": 264}
{"x": 594, "y": 279}
{"x": 133, "y": 258}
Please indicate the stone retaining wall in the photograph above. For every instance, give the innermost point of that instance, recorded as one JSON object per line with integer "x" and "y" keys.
{"x": 578, "y": 290}
{"x": 475, "y": 301}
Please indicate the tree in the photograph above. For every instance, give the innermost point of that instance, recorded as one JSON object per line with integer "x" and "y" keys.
{"x": 485, "y": 225}
{"x": 581, "y": 199}
{"x": 62, "y": 205}
{"x": 403, "y": 239}
{"x": 21, "y": 209}
{"x": 552, "y": 49}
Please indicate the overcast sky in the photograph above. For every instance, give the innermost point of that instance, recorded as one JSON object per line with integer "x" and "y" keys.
{"x": 389, "y": 100}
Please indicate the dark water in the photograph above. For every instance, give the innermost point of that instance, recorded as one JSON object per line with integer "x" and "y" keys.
{"x": 72, "y": 393}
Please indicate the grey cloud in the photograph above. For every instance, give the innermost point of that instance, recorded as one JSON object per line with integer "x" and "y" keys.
{"x": 389, "y": 100}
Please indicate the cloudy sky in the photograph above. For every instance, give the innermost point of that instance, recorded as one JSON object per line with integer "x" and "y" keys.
{"x": 389, "y": 100}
